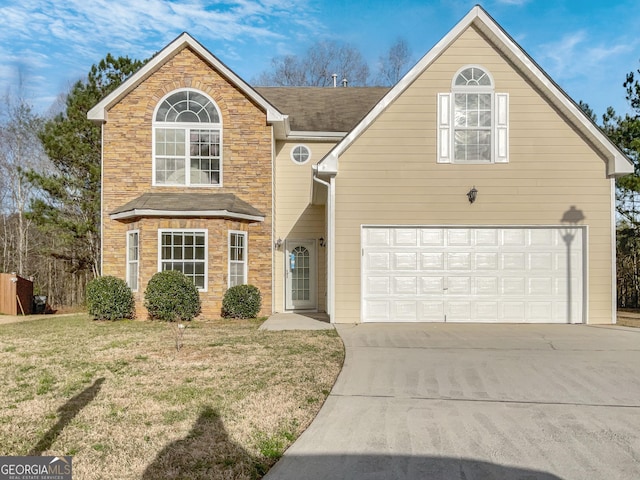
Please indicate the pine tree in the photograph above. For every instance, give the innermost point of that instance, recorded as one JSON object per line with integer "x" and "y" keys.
{"x": 69, "y": 203}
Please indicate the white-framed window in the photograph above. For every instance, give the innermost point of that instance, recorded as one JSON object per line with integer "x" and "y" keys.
{"x": 300, "y": 154}
{"x": 186, "y": 252}
{"x": 237, "y": 258}
{"x": 473, "y": 120}
{"x": 187, "y": 140}
{"x": 133, "y": 259}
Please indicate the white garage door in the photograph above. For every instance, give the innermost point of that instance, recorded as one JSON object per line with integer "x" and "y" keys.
{"x": 456, "y": 274}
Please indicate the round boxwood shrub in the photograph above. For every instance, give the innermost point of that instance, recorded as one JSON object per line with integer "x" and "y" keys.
{"x": 109, "y": 298}
{"x": 241, "y": 301}
{"x": 171, "y": 296}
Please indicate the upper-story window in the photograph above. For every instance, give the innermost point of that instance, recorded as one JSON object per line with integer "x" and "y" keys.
{"x": 187, "y": 146}
{"x": 473, "y": 120}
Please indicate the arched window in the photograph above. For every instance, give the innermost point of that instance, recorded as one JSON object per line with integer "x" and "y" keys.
{"x": 472, "y": 119}
{"x": 473, "y": 97}
{"x": 187, "y": 146}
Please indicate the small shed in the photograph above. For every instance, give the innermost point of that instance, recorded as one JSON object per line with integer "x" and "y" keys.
{"x": 16, "y": 294}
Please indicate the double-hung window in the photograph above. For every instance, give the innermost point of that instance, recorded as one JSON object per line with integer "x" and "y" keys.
{"x": 133, "y": 258}
{"x": 473, "y": 120}
{"x": 186, "y": 252}
{"x": 187, "y": 145}
{"x": 237, "y": 258}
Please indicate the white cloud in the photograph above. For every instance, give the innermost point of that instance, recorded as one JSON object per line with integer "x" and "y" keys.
{"x": 64, "y": 37}
{"x": 576, "y": 54}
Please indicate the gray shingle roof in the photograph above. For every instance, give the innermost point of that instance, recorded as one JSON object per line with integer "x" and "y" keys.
{"x": 323, "y": 109}
{"x": 188, "y": 204}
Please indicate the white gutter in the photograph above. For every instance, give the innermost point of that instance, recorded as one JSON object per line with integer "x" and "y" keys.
{"x": 331, "y": 196}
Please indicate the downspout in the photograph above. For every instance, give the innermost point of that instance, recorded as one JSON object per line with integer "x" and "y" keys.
{"x": 330, "y": 240}
{"x": 102, "y": 198}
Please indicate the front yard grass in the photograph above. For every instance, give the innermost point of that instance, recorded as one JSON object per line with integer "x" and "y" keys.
{"x": 122, "y": 400}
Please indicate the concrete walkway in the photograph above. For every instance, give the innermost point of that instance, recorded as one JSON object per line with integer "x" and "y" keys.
{"x": 462, "y": 401}
{"x": 297, "y": 321}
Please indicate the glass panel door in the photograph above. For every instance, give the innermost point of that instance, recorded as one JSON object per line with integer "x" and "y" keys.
{"x": 300, "y": 275}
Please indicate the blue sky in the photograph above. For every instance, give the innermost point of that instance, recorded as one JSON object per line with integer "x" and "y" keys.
{"x": 587, "y": 46}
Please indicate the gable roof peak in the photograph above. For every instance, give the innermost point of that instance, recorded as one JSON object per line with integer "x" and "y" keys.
{"x": 617, "y": 162}
{"x": 99, "y": 112}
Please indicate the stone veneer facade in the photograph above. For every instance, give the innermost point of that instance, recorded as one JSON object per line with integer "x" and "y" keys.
{"x": 246, "y": 172}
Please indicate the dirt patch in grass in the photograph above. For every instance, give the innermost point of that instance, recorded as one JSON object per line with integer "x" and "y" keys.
{"x": 126, "y": 404}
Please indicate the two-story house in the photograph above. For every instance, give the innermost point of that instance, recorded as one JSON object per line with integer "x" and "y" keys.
{"x": 473, "y": 190}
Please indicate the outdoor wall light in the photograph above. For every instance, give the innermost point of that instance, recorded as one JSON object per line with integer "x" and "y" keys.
{"x": 278, "y": 244}
{"x": 322, "y": 242}
{"x": 472, "y": 194}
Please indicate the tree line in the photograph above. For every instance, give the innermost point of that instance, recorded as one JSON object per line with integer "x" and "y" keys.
{"x": 50, "y": 167}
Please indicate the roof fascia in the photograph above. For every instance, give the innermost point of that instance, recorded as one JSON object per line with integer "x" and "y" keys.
{"x": 142, "y": 212}
{"x": 99, "y": 112}
{"x": 618, "y": 163}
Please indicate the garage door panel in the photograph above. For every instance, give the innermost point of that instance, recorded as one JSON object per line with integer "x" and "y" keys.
{"x": 431, "y": 311}
{"x": 540, "y": 286}
{"x": 486, "y": 285}
{"x": 405, "y": 285}
{"x": 484, "y": 274}
{"x": 513, "y": 286}
{"x": 405, "y": 310}
{"x": 377, "y": 261}
{"x": 405, "y": 237}
{"x": 378, "y": 286}
{"x": 459, "y": 286}
{"x": 458, "y": 311}
{"x": 543, "y": 237}
{"x": 459, "y": 237}
{"x": 432, "y": 261}
{"x": 431, "y": 285}
{"x": 405, "y": 261}
{"x": 486, "y": 311}
{"x": 377, "y": 310}
{"x": 540, "y": 261}
{"x": 539, "y": 311}
{"x": 513, "y": 238}
{"x": 513, "y": 261}
{"x": 431, "y": 237}
{"x": 486, "y": 261}
{"x": 378, "y": 237}
{"x": 487, "y": 237}
{"x": 459, "y": 261}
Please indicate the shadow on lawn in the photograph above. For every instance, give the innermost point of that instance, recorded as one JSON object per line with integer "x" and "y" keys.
{"x": 67, "y": 413}
{"x": 206, "y": 452}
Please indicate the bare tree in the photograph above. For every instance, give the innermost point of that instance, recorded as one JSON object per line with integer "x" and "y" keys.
{"x": 20, "y": 149}
{"x": 317, "y": 66}
{"x": 395, "y": 63}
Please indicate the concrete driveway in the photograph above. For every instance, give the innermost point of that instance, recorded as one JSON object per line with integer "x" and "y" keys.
{"x": 459, "y": 401}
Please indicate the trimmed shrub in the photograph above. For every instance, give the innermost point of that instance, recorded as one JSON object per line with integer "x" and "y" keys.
{"x": 241, "y": 301}
{"x": 171, "y": 296}
{"x": 110, "y": 298}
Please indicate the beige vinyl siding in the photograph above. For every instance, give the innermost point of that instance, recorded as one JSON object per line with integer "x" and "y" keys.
{"x": 296, "y": 218}
{"x": 389, "y": 175}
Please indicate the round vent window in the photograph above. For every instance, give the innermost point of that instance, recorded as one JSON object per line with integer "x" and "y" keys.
{"x": 300, "y": 154}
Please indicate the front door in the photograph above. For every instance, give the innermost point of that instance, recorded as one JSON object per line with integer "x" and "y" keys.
{"x": 300, "y": 268}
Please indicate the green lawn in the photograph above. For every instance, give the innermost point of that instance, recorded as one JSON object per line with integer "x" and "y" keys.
{"x": 122, "y": 400}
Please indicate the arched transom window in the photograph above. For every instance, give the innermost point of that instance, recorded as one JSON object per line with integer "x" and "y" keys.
{"x": 472, "y": 119}
{"x": 187, "y": 140}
